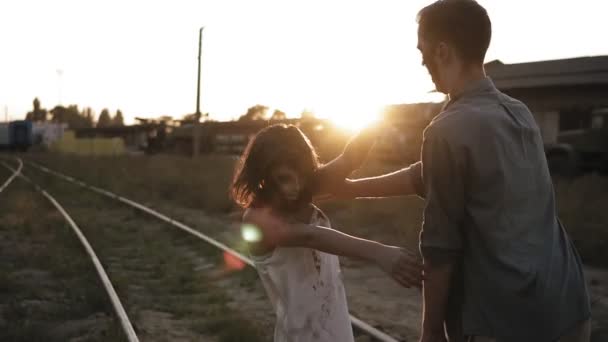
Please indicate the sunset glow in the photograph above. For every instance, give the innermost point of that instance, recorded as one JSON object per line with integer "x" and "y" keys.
{"x": 343, "y": 59}
{"x": 352, "y": 119}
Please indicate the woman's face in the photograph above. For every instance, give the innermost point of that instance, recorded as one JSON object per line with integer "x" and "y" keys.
{"x": 288, "y": 182}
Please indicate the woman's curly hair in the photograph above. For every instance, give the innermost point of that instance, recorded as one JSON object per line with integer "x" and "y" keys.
{"x": 273, "y": 146}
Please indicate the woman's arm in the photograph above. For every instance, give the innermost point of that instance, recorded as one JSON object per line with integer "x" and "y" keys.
{"x": 401, "y": 265}
{"x": 397, "y": 262}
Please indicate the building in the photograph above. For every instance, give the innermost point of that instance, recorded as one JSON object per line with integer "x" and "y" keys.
{"x": 407, "y": 121}
{"x": 562, "y": 94}
{"x": 400, "y": 145}
{"x": 568, "y": 98}
{"x": 46, "y": 132}
{"x": 231, "y": 137}
{"x": 146, "y": 137}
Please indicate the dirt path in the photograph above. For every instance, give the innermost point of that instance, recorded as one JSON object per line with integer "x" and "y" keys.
{"x": 376, "y": 298}
{"x": 372, "y": 296}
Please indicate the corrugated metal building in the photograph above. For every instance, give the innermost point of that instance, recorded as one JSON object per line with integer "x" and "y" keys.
{"x": 562, "y": 94}
{"x": 231, "y": 137}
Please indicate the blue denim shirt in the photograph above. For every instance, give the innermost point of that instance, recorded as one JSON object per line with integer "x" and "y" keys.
{"x": 490, "y": 200}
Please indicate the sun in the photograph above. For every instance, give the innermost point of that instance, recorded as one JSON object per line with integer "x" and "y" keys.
{"x": 353, "y": 123}
{"x": 351, "y": 119}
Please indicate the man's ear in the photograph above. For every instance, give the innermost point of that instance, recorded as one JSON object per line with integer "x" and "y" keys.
{"x": 443, "y": 52}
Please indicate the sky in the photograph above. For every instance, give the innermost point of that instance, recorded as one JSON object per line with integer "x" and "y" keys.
{"x": 341, "y": 59}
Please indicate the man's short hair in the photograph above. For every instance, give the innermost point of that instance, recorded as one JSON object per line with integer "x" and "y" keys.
{"x": 463, "y": 24}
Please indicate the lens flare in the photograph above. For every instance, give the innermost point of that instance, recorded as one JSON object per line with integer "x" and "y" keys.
{"x": 232, "y": 262}
{"x": 251, "y": 233}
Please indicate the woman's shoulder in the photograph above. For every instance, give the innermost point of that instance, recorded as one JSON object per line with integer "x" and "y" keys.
{"x": 319, "y": 216}
{"x": 249, "y": 211}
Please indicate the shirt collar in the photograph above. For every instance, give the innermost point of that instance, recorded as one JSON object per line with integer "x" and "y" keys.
{"x": 480, "y": 86}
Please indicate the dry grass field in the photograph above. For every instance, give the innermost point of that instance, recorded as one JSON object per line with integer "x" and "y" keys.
{"x": 195, "y": 192}
{"x": 203, "y": 184}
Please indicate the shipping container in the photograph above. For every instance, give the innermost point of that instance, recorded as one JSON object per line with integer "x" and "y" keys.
{"x": 4, "y": 135}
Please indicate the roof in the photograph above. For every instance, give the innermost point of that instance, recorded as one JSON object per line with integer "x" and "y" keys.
{"x": 116, "y": 129}
{"x": 412, "y": 112}
{"x": 562, "y": 72}
{"x": 243, "y": 126}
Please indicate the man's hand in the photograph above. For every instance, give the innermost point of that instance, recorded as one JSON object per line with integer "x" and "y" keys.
{"x": 401, "y": 264}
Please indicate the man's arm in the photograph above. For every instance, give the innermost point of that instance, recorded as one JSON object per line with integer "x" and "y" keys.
{"x": 438, "y": 272}
{"x": 441, "y": 238}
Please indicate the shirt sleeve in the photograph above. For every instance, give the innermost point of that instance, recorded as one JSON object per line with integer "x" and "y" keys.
{"x": 444, "y": 194}
{"x": 416, "y": 177}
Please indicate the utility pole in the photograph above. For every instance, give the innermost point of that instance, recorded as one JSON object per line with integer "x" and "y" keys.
{"x": 59, "y": 84}
{"x": 196, "y": 126}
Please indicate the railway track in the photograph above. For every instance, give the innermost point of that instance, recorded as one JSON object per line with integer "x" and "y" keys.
{"x": 154, "y": 270}
{"x": 132, "y": 260}
{"x": 117, "y": 305}
{"x": 15, "y": 173}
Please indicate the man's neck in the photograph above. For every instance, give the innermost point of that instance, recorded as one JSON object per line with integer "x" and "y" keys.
{"x": 467, "y": 77}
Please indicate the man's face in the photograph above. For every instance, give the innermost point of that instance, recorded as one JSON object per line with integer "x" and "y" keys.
{"x": 432, "y": 60}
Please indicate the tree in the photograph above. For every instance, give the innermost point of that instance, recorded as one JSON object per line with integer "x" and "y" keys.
{"x": 38, "y": 114}
{"x": 118, "y": 119}
{"x": 104, "y": 119}
{"x": 71, "y": 116}
{"x": 191, "y": 118}
{"x": 88, "y": 114}
{"x": 307, "y": 115}
{"x": 58, "y": 114}
{"x": 257, "y": 112}
{"x": 278, "y": 115}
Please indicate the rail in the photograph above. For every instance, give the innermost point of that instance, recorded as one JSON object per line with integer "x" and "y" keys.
{"x": 13, "y": 176}
{"x": 358, "y": 323}
{"x": 107, "y": 284}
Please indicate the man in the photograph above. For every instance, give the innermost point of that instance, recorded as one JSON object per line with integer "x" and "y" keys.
{"x": 489, "y": 199}
{"x": 491, "y": 236}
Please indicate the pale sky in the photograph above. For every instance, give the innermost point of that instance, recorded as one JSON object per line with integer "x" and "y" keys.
{"x": 342, "y": 59}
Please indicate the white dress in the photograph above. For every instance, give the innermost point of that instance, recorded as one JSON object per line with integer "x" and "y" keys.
{"x": 306, "y": 290}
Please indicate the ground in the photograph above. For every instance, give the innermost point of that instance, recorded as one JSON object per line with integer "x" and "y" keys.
{"x": 194, "y": 192}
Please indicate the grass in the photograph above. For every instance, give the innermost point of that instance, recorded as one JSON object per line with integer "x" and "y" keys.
{"x": 583, "y": 208}
{"x": 176, "y": 179}
{"x": 202, "y": 184}
{"x": 152, "y": 265}
{"x": 45, "y": 278}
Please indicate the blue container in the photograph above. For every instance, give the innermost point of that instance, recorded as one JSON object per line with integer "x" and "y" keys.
{"x": 20, "y": 135}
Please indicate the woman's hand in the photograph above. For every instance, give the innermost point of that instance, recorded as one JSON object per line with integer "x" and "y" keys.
{"x": 401, "y": 264}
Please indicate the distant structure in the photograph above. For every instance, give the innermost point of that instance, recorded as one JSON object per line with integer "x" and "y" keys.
{"x": 569, "y": 99}
{"x": 148, "y": 136}
{"x": 231, "y": 137}
{"x": 407, "y": 121}
{"x": 400, "y": 145}
{"x": 46, "y": 132}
